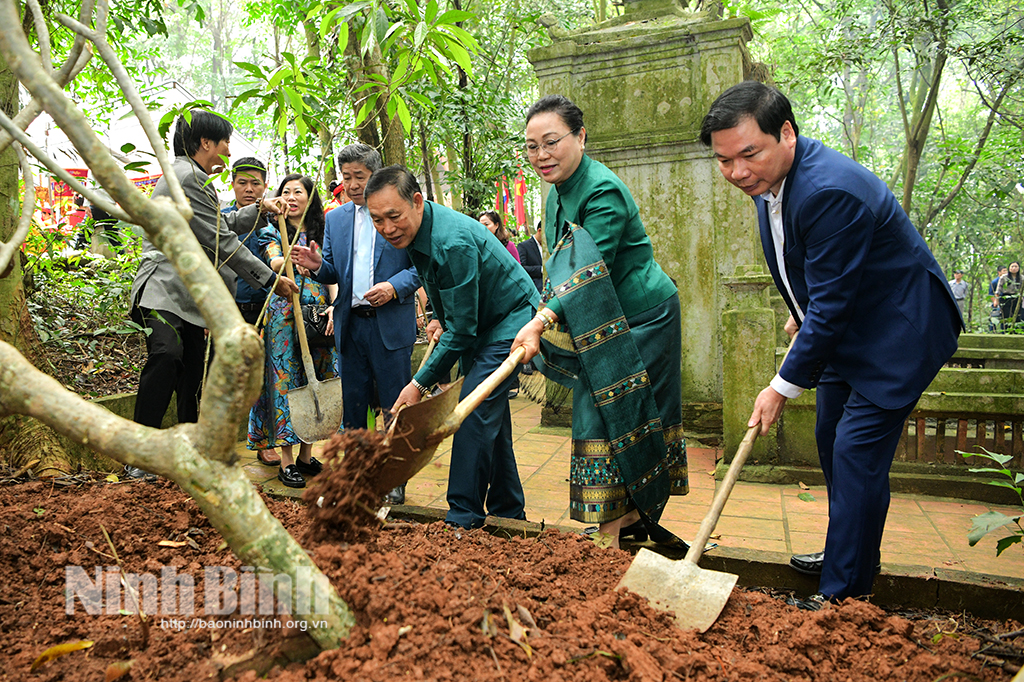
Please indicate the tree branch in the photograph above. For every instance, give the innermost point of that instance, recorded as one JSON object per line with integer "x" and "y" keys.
{"x": 975, "y": 155}
{"x": 18, "y": 134}
{"x": 99, "y": 39}
{"x": 9, "y": 248}
{"x": 42, "y": 33}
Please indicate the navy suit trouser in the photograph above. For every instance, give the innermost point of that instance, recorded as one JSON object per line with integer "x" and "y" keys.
{"x": 365, "y": 363}
{"x": 856, "y": 443}
{"x": 483, "y": 473}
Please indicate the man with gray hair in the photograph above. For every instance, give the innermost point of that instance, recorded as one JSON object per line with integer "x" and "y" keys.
{"x": 375, "y": 313}
{"x": 481, "y": 297}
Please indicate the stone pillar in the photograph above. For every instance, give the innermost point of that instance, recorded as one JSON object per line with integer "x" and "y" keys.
{"x": 748, "y": 362}
{"x": 644, "y": 82}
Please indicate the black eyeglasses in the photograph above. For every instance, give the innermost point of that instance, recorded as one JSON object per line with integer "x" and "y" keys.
{"x": 548, "y": 146}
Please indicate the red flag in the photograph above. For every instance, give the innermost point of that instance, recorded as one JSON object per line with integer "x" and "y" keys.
{"x": 519, "y": 190}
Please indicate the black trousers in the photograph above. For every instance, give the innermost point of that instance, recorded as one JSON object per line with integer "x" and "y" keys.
{"x": 175, "y": 365}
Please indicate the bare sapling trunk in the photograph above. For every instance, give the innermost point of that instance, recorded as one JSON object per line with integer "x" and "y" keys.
{"x": 198, "y": 457}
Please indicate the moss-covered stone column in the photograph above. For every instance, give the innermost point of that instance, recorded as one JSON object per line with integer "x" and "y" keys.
{"x": 644, "y": 81}
{"x": 748, "y": 359}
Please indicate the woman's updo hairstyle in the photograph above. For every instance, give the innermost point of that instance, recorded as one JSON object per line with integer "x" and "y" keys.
{"x": 571, "y": 114}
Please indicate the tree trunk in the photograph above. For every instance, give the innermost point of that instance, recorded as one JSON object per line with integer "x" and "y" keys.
{"x": 367, "y": 129}
{"x": 322, "y": 132}
{"x": 22, "y": 439}
{"x": 425, "y": 153}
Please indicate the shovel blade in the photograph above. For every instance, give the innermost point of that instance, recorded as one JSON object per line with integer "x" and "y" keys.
{"x": 316, "y": 410}
{"x": 412, "y": 447}
{"x": 694, "y": 595}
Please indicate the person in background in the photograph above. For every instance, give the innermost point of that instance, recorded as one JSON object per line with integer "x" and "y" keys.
{"x": 270, "y": 424}
{"x": 862, "y": 288}
{"x": 492, "y": 221}
{"x": 159, "y": 299}
{"x": 80, "y": 212}
{"x": 531, "y": 259}
{"x": 338, "y": 197}
{"x": 480, "y": 296}
{"x": 623, "y": 344}
{"x": 959, "y": 288}
{"x": 995, "y": 314}
{"x": 249, "y": 184}
{"x": 375, "y": 315}
{"x": 1008, "y": 295}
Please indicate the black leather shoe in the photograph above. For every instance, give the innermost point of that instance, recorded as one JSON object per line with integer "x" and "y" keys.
{"x": 813, "y": 603}
{"x": 291, "y": 477}
{"x": 138, "y": 474}
{"x": 810, "y": 564}
{"x": 310, "y": 468}
{"x": 396, "y": 496}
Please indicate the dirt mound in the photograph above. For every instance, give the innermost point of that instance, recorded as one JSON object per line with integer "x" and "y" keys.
{"x": 431, "y": 602}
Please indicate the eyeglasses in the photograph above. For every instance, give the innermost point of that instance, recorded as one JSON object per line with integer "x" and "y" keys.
{"x": 548, "y": 146}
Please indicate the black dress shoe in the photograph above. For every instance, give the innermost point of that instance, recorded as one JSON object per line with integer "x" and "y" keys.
{"x": 291, "y": 477}
{"x": 310, "y": 468}
{"x": 810, "y": 564}
{"x": 813, "y": 603}
{"x": 138, "y": 474}
{"x": 396, "y": 495}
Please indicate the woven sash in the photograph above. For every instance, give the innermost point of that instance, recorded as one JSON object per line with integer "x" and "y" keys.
{"x": 596, "y": 346}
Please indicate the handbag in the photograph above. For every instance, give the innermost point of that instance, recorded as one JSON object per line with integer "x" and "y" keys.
{"x": 314, "y": 316}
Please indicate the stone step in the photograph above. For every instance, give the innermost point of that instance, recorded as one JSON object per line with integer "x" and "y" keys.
{"x": 993, "y": 341}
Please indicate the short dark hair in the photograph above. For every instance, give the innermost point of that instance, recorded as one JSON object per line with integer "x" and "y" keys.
{"x": 248, "y": 164}
{"x": 570, "y": 114}
{"x": 769, "y": 107}
{"x": 314, "y": 222}
{"x": 360, "y": 153}
{"x": 205, "y": 124}
{"x": 396, "y": 176}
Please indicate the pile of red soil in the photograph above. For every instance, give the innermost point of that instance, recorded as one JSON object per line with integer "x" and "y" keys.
{"x": 431, "y": 603}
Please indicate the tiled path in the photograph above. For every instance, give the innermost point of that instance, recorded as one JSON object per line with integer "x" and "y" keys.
{"x": 921, "y": 531}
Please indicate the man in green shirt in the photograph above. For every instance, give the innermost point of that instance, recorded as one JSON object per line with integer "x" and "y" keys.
{"x": 481, "y": 297}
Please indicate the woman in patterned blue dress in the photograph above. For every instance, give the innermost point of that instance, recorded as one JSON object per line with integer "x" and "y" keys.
{"x": 270, "y": 423}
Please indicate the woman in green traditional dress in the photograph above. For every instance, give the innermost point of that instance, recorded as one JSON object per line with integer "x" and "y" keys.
{"x": 612, "y": 319}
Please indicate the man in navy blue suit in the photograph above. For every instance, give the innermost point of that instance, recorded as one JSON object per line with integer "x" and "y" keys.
{"x": 876, "y": 316}
{"x": 375, "y": 314}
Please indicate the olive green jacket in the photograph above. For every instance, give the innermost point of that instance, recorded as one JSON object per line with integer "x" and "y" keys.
{"x": 598, "y": 201}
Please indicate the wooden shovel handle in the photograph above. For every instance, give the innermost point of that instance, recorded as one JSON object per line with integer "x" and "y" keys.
{"x": 725, "y": 489}
{"x": 300, "y": 324}
{"x": 481, "y": 392}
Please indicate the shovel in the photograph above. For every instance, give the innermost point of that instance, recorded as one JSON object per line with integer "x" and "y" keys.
{"x": 418, "y": 429}
{"x": 316, "y": 408}
{"x": 694, "y": 595}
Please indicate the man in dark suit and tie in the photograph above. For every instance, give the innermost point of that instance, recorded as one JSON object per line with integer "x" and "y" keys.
{"x": 375, "y": 314}
{"x": 531, "y": 260}
{"x": 876, "y": 317}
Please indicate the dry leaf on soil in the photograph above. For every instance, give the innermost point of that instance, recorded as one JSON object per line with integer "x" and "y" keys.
{"x": 516, "y": 632}
{"x": 58, "y": 651}
{"x": 119, "y": 669}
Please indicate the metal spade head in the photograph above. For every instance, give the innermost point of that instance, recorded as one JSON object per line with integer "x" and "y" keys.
{"x": 694, "y": 595}
{"x": 316, "y": 409}
{"x": 415, "y": 435}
